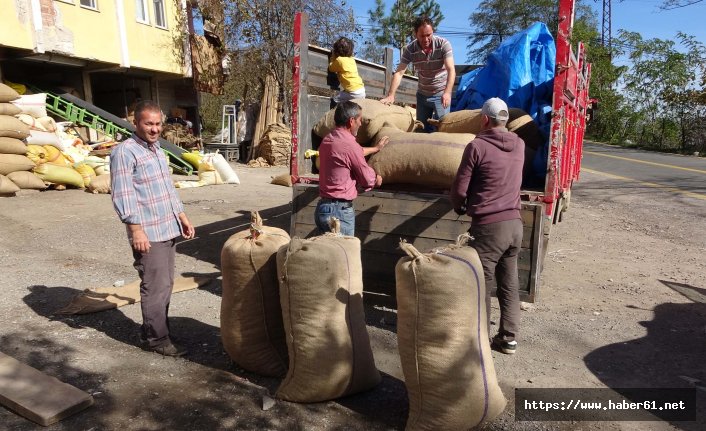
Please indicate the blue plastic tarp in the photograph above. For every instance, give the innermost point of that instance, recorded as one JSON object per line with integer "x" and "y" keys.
{"x": 521, "y": 72}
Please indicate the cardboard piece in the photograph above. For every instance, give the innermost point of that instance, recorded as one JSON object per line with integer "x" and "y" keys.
{"x": 36, "y": 396}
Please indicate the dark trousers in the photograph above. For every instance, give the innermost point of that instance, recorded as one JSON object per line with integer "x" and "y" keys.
{"x": 156, "y": 270}
{"x": 498, "y": 245}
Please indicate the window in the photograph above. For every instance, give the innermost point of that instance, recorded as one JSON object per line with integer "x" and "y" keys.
{"x": 91, "y": 4}
{"x": 159, "y": 18}
{"x": 141, "y": 11}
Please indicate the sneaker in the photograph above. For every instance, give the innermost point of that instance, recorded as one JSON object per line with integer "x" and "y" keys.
{"x": 169, "y": 349}
{"x": 507, "y": 347}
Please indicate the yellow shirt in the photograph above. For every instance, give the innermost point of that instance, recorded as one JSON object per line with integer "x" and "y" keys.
{"x": 347, "y": 72}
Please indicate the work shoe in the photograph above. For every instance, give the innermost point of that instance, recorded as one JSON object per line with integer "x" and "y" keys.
{"x": 507, "y": 347}
{"x": 169, "y": 349}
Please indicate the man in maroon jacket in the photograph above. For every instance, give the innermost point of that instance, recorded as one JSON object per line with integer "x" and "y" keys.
{"x": 487, "y": 188}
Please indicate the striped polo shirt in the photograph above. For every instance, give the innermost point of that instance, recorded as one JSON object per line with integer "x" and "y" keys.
{"x": 430, "y": 68}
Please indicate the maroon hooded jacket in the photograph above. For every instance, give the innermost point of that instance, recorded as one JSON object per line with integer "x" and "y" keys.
{"x": 489, "y": 177}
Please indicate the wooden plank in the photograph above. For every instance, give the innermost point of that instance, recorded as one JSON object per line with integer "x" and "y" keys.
{"x": 36, "y": 396}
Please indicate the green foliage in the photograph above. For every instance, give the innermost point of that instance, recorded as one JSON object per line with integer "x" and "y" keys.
{"x": 396, "y": 29}
{"x": 259, "y": 36}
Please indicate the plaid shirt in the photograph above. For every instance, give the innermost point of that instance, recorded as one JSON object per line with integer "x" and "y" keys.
{"x": 142, "y": 189}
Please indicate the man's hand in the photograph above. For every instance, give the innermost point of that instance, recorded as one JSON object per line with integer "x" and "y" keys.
{"x": 389, "y": 100}
{"x": 446, "y": 100}
{"x": 139, "y": 239}
{"x": 187, "y": 229}
{"x": 382, "y": 142}
{"x": 378, "y": 181}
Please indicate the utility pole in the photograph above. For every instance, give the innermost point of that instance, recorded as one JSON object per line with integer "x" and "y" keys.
{"x": 606, "y": 27}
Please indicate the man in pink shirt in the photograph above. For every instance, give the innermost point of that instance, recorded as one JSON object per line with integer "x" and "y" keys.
{"x": 343, "y": 169}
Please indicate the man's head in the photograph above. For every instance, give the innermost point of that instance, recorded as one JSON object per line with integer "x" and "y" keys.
{"x": 423, "y": 31}
{"x": 495, "y": 113}
{"x": 148, "y": 121}
{"x": 343, "y": 47}
{"x": 347, "y": 114}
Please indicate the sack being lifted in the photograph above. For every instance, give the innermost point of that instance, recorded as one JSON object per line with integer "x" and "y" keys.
{"x": 442, "y": 338}
{"x": 251, "y": 317}
{"x": 375, "y": 114}
{"x": 425, "y": 159}
{"x": 321, "y": 290}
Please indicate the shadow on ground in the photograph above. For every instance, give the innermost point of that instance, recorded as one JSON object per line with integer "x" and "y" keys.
{"x": 672, "y": 354}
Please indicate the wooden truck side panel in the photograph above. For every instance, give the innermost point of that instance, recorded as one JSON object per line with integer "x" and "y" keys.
{"x": 427, "y": 221}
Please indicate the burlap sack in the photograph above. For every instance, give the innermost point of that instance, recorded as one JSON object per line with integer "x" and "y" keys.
{"x": 426, "y": 159}
{"x": 375, "y": 114}
{"x": 14, "y": 162}
{"x": 524, "y": 126}
{"x": 251, "y": 316}
{"x": 7, "y": 93}
{"x": 465, "y": 121}
{"x": 27, "y": 180}
{"x": 9, "y": 109}
{"x": 100, "y": 184}
{"x": 442, "y": 337}
{"x": 282, "y": 180}
{"x": 321, "y": 289}
{"x": 12, "y": 146}
{"x": 7, "y": 186}
{"x": 12, "y": 127}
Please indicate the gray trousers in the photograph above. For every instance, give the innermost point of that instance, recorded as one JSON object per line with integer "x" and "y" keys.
{"x": 156, "y": 270}
{"x": 498, "y": 245}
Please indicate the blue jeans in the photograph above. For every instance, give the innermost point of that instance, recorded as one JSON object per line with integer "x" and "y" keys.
{"x": 427, "y": 106}
{"x": 342, "y": 210}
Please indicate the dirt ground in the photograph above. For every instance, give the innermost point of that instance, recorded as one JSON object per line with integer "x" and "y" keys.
{"x": 622, "y": 304}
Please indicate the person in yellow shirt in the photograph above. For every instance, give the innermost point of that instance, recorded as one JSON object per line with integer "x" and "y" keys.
{"x": 343, "y": 65}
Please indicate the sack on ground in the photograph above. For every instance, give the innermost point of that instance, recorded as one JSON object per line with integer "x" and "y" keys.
{"x": 7, "y": 186}
{"x": 12, "y": 146}
{"x": 32, "y": 104}
{"x": 7, "y": 93}
{"x": 14, "y": 162}
{"x": 100, "y": 184}
{"x": 374, "y": 115}
{"x": 59, "y": 175}
{"x": 11, "y": 127}
{"x": 426, "y": 159}
{"x": 321, "y": 290}
{"x": 9, "y": 109}
{"x": 251, "y": 316}
{"x": 27, "y": 180}
{"x": 446, "y": 361}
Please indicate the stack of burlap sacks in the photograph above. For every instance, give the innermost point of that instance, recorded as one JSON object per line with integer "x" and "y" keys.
{"x": 425, "y": 159}
{"x": 274, "y": 148}
{"x": 294, "y": 308}
{"x": 34, "y": 155}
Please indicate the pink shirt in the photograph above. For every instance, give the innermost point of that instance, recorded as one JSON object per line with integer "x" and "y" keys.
{"x": 342, "y": 166}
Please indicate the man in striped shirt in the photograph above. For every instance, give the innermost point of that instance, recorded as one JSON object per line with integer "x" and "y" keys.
{"x": 147, "y": 203}
{"x": 432, "y": 58}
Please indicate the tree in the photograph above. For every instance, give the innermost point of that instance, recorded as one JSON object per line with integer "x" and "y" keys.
{"x": 262, "y": 32}
{"x": 495, "y": 20}
{"x": 395, "y": 29}
{"x": 675, "y": 4}
{"x": 665, "y": 83}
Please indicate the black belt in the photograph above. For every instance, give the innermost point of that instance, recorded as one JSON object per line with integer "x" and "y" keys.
{"x": 336, "y": 200}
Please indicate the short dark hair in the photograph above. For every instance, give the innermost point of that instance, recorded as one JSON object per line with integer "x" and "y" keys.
{"x": 345, "y": 111}
{"x": 146, "y": 105}
{"x": 422, "y": 20}
{"x": 343, "y": 47}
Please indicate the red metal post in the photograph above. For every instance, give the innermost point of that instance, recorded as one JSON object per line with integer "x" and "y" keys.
{"x": 296, "y": 78}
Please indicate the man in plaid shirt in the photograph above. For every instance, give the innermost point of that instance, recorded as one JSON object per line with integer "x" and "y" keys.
{"x": 147, "y": 203}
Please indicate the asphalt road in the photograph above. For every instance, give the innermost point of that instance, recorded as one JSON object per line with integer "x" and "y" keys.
{"x": 645, "y": 172}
